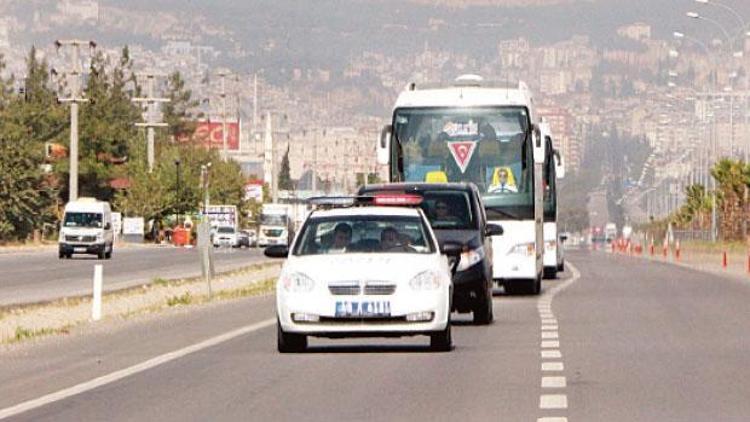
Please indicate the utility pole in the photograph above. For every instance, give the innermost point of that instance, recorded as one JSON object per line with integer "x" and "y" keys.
{"x": 151, "y": 122}
{"x": 223, "y": 96}
{"x": 274, "y": 172}
{"x": 75, "y": 99}
{"x": 255, "y": 103}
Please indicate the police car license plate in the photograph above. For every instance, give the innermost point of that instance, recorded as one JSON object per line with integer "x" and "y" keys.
{"x": 79, "y": 249}
{"x": 367, "y": 309}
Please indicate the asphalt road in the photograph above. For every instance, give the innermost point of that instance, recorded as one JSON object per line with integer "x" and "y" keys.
{"x": 39, "y": 275}
{"x": 628, "y": 340}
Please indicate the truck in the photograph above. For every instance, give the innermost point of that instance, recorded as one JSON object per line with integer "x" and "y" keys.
{"x": 482, "y": 133}
{"x": 610, "y": 232}
{"x": 276, "y": 225}
{"x": 86, "y": 228}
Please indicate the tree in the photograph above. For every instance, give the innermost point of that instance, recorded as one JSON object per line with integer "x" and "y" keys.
{"x": 285, "y": 180}
{"x": 107, "y": 124}
{"x": 732, "y": 178}
{"x": 27, "y": 195}
{"x": 178, "y": 112}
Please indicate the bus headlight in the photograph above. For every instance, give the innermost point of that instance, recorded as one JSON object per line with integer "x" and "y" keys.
{"x": 296, "y": 283}
{"x": 525, "y": 249}
{"x": 470, "y": 258}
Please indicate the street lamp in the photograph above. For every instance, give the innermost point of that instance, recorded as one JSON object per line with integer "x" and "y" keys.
{"x": 179, "y": 191}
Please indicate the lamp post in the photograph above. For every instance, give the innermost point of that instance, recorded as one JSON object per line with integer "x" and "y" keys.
{"x": 178, "y": 193}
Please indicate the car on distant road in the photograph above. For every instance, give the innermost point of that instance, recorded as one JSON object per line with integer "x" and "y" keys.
{"x": 246, "y": 238}
{"x": 86, "y": 228}
{"x": 364, "y": 271}
{"x": 456, "y": 214}
{"x": 226, "y": 236}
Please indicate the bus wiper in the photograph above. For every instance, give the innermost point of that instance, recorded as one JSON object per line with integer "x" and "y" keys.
{"x": 502, "y": 213}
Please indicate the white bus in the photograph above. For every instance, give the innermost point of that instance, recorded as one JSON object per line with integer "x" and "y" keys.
{"x": 554, "y": 170}
{"x": 487, "y": 135}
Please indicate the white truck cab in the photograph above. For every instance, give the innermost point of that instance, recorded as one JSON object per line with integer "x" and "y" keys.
{"x": 86, "y": 228}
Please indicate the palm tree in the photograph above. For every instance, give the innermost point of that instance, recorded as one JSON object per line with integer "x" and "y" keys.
{"x": 732, "y": 178}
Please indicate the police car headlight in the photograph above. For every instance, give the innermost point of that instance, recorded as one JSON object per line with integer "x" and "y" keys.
{"x": 470, "y": 258}
{"x": 426, "y": 280}
{"x": 524, "y": 249}
{"x": 297, "y": 283}
{"x": 550, "y": 245}
{"x": 100, "y": 237}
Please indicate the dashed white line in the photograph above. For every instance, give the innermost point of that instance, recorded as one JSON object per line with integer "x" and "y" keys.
{"x": 551, "y": 354}
{"x": 554, "y": 382}
{"x": 550, "y": 349}
{"x": 553, "y": 401}
{"x": 552, "y": 366}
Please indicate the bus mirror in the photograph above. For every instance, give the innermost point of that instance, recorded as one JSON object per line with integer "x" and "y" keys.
{"x": 384, "y": 145}
{"x": 539, "y": 147}
{"x": 559, "y": 165}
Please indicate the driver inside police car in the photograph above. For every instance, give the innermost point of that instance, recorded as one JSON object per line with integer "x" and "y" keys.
{"x": 342, "y": 236}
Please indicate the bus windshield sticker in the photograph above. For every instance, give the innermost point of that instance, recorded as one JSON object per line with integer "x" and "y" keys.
{"x": 462, "y": 152}
{"x": 461, "y": 129}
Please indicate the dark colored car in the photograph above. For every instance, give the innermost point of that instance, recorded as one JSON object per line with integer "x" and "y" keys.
{"x": 456, "y": 213}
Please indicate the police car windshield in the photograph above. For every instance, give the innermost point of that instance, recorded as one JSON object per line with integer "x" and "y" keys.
{"x": 364, "y": 234}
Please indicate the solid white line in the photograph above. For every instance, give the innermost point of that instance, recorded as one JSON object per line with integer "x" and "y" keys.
{"x": 550, "y": 334}
{"x": 553, "y": 419}
{"x": 552, "y": 366}
{"x": 546, "y": 315}
{"x": 551, "y": 354}
{"x": 549, "y": 327}
{"x": 550, "y": 344}
{"x": 554, "y": 382}
{"x": 553, "y": 401}
{"x": 132, "y": 370}
{"x": 549, "y": 321}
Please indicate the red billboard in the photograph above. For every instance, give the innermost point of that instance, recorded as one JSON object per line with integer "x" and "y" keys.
{"x": 210, "y": 135}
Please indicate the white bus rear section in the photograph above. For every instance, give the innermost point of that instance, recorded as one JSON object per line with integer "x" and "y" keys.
{"x": 516, "y": 256}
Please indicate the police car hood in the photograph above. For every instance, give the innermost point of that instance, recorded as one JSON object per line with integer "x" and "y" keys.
{"x": 363, "y": 266}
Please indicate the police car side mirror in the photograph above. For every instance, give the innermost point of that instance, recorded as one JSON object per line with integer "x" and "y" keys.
{"x": 563, "y": 237}
{"x": 384, "y": 145}
{"x": 277, "y": 251}
{"x": 107, "y": 226}
{"x": 451, "y": 249}
{"x": 493, "y": 230}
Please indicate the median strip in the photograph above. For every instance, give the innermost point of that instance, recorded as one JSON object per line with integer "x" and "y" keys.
{"x": 25, "y": 322}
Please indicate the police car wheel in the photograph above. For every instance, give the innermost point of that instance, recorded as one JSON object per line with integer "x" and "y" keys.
{"x": 289, "y": 342}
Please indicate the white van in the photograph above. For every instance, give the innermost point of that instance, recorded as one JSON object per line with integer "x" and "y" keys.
{"x": 86, "y": 228}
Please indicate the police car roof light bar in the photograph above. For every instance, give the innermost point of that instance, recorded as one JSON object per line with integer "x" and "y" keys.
{"x": 397, "y": 199}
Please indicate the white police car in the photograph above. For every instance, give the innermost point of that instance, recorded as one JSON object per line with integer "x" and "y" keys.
{"x": 365, "y": 271}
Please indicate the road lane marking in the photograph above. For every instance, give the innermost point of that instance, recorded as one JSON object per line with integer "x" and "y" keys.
{"x": 550, "y": 349}
{"x": 552, "y": 366}
{"x": 551, "y": 354}
{"x": 553, "y": 401}
{"x": 554, "y": 382}
{"x": 132, "y": 370}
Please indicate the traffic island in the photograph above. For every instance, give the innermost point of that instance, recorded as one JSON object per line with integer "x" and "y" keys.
{"x": 26, "y": 322}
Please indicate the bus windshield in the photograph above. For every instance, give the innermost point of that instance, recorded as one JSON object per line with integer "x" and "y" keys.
{"x": 487, "y": 146}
